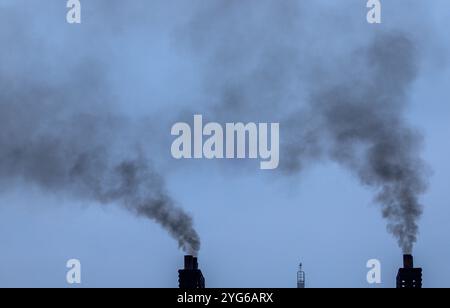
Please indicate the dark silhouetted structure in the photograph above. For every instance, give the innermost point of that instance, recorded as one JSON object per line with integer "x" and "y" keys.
{"x": 191, "y": 277}
{"x": 409, "y": 277}
{"x": 301, "y": 278}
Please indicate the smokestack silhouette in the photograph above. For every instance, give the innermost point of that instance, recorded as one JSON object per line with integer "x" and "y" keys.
{"x": 409, "y": 277}
{"x": 191, "y": 276}
{"x": 350, "y": 110}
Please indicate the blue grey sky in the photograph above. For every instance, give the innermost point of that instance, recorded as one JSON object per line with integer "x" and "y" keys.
{"x": 151, "y": 62}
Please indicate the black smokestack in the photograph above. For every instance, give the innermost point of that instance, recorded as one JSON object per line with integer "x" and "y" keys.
{"x": 340, "y": 99}
{"x": 409, "y": 277}
{"x": 408, "y": 261}
{"x": 191, "y": 276}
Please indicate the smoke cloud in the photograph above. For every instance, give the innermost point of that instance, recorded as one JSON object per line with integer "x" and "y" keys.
{"x": 339, "y": 97}
{"x": 338, "y": 86}
{"x": 79, "y": 156}
{"x": 368, "y": 134}
{"x": 61, "y": 130}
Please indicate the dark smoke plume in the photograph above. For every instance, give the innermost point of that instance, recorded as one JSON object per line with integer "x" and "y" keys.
{"x": 64, "y": 135}
{"x": 338, "y": 88}
{"x": 368, "y": 134}
{"x": 337, "y": 96}
{"x": 80, "y": 157}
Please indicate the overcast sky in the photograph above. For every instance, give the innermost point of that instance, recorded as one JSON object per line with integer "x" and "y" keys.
{"x": 153, "y": 59}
